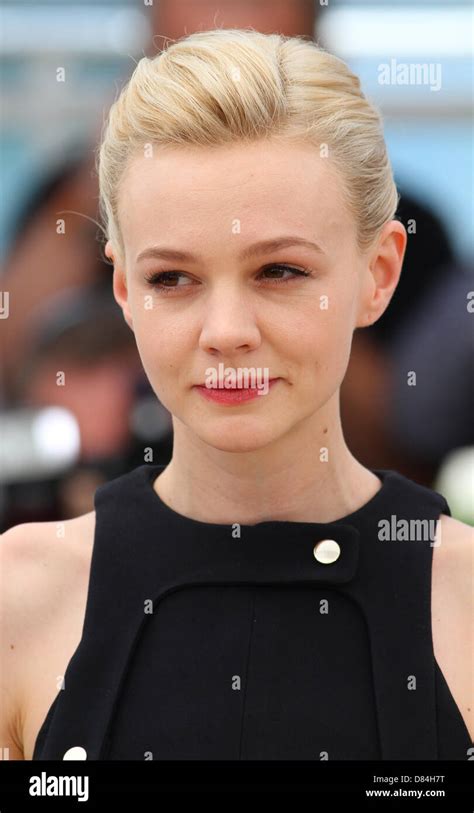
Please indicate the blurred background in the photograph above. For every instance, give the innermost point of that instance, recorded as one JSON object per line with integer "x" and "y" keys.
{"x": 76, "y": 408}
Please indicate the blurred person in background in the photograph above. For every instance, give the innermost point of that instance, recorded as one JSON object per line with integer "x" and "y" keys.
{"x": 82, "y": 358}
{"x": 432, "y": 416}
{"x": 42, "y": 262}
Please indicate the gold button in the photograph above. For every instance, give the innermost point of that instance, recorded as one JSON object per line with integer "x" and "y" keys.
{"x": 327, "y": 551}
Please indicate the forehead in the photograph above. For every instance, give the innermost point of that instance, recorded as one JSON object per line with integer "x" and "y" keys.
{"x": 188, "y": 194}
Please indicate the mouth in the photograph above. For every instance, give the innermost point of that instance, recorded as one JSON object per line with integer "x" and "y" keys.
{"x": 227, "y": 389}
{"x": 234, "y": 395}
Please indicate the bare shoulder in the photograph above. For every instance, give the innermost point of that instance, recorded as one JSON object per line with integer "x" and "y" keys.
{"x": 37, "y": 557}
{"x": 31, "y": 533}
{"x": 453, "y": 610}
{"x": 44, "y": 569}
{"x": 454, "y": 547}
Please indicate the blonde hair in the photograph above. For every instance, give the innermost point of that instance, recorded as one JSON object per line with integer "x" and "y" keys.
{"x": 215, "y": 87}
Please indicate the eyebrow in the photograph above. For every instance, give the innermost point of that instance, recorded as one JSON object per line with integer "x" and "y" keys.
{"x": 263, "y": 246}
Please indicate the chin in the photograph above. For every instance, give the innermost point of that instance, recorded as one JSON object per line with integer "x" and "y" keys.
{"x": 238, "y": 435}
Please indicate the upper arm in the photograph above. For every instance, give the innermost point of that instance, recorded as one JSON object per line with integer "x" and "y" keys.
{"x": 456, "y": 542}
{"x": 453, "y": 605}
{"x": 12, "y": 582}
{"x": 28, "y": 560}
{"x": 44, "y": 572}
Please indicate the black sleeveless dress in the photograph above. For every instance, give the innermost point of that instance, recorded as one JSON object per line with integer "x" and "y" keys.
{"x": 219, "y": 642}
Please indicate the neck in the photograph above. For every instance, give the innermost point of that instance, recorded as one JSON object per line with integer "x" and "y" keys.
{"x": 307, "y": 476}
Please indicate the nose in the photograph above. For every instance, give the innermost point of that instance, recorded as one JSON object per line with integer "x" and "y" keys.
{"x": 229, "y": 325}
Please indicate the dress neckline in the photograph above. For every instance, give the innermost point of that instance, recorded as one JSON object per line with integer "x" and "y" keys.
{"x": 149, "y": 474}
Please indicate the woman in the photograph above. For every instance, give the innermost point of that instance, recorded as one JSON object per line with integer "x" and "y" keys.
{"x": 264, "y": 595}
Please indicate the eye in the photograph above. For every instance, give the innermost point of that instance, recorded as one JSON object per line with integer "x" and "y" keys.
{"x": 166, "y": 281}
{"x": 160, "y": 280}
{"x": 296, "y": 272}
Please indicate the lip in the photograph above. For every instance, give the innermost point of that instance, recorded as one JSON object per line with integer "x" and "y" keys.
{"x": 234, "y": 396}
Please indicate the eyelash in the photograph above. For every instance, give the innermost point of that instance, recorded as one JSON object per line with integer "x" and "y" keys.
{"x": 154, "y": 279}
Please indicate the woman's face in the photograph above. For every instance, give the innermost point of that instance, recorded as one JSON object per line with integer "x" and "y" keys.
{"x": 233, "y": 304}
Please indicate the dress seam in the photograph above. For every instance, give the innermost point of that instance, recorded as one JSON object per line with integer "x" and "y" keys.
{"x": 246, "y": 673}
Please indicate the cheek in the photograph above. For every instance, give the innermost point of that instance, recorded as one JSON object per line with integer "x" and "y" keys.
{"x": 321, "y": 346}
{"x": 162, "y": 347}
{"x": 317, "y": 333}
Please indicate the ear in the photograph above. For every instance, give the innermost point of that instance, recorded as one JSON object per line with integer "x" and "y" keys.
{"x": 382, "y": 273}
{"x": 119, "y": 283}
